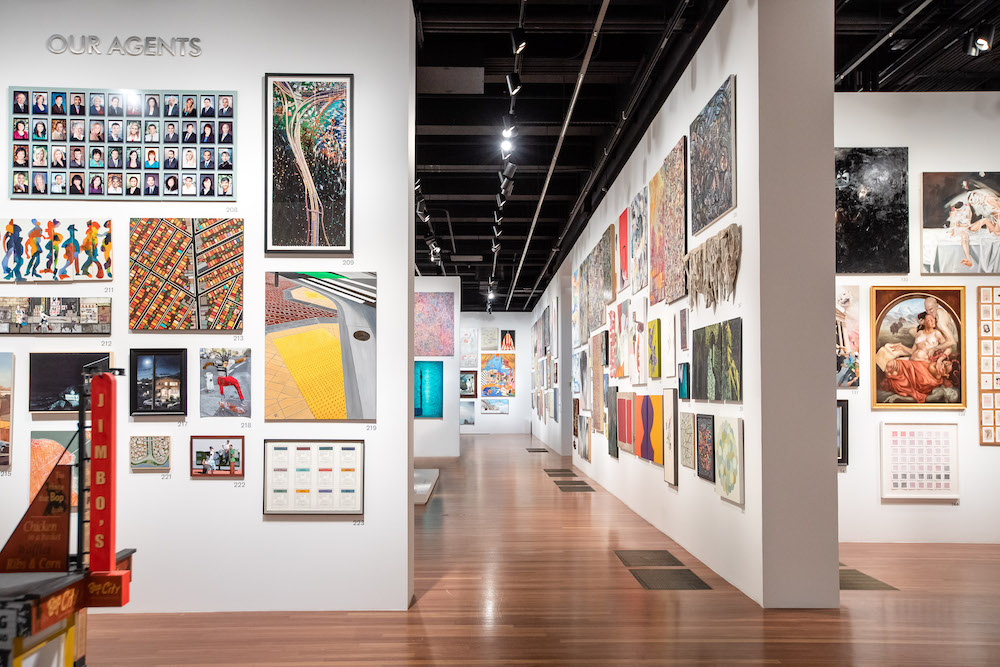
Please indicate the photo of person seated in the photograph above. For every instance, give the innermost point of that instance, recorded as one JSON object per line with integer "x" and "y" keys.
{"x": 207, "y": 159}
{"x": 115, "y": 159}
{"x": 58, "y": 107}
{"x": 77, "y": 131}
{"x": 171, "y": 136}
{"x": 189, "y": 189}
{"x": 115, "y": 106}
{"x": 76, "y": 158}
{"x": 207, "y": 186}
{"x": 133, "y": 105}
{"x": 58, "y": 158}
{"x": 20, "y": 130}
{"x": 133, "y": 186}
{"x": 115, "y": 133}
{"x": 96, "y": 185}
{"x": 76, "y": 184}
{"x": 189, "y": 158}
{"x": 96, "y": 104}
{"x": 225, "y": 186}
{"x": 207, "y": 133}
{"x": 38, "y": 184}
{"x": 225, "y": 106}
{"x": 152, "y": 185}
{"x": 20, "y": 156}
{"x": 58, "y": 185}
{"x": 76, "y": 107}
{"x": 170, "y": 159}
{"x": 152, "y": 133}
{"x": 170, "y": 107}
{"x": 152, "y": 106}
{"x": 190, "y": 135}
{"x": 152, "y": 159}
{"x": 58, "y": 130}
{"x": 208, "y": 106}
{"x": 41, "y": 103}
{"x": 170, "y": 185}
{"x": 189, "y": 111}
{"x": 39, "y": 157}
{"x": 225, "y": 161}
{"x": 97, "y": 131}
{"x": 20, "y": 183}
{"x": 39, "y": 132}
{"x": 21, "y": 102}
{"x": 115, "y": 184}
{"x": 225, "y": 133}
{"x": 133, "y": 159}
{"x": 97, "y": 159}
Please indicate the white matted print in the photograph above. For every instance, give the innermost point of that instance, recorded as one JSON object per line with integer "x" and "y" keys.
{"x": 489, "y": 339}
{"x": 920, "y": 461}
{"x": 989, "y": 366}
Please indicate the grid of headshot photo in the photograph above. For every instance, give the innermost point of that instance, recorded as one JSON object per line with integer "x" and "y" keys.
{"x": 122, "y": 144}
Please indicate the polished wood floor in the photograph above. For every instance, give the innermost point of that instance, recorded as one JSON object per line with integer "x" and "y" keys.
{"x": 509, "y": 570}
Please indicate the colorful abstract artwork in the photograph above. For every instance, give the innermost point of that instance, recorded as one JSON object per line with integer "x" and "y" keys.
{"x": 468, "y": 348}
{"x": 648, "y": 417}
{"x": 684, "y": 380}
{"x": 653, "y": 347}
{"x": 597, "y": 388}
{"x": 586, "y": 387}
{"x": 428, "y": 389}
{"x": 577, "y": 378}
{"x": 670, "y": 447}
{"x": 584, "y": 323}
{"x": 873, "y": 214}
{"x": 626, "y": 423}
{"x": 224, "y": 382}
{"x": 638, "y": 240}
{"x": 433, "y": 324}
{"x": 489, "y": 338}
{"x": 623, "y": 251}
{"x": 639, "y": 353}
{"x": 185, "y": 274}
{"x": 918, "y": 356}
{"x": 507, "y": 343}
{"x": 705, "y": 442}
{"x": 494, "y": 406}
{"x": 600, "y": 279}
{"x": 624, "y": 338}
{"x": 496, "y": 375}
{"x": 611, "y": 401}
{"x": 55, "y": 315}
{"x": 668, "y": 227}
{"x": 729, "y": 458}
{"x": 466, "y": 413}
{"x": 613, "y": 341}
{"x": 54, "y": 379}
{"x": 989, "y": 365}
{"x": 686, "y": 438}
{"x": 320, "y": 346}
{"x": 6, "y": 403}
{"x": 149, "y": 453}
{"x": 848, "y": 336}
{"x": 309, "y": 177}
{"x": 56, "y": 250}
{"x": 713, "y": 158}
{"x": 961, "y": 223}
{"x": 717, "y": 367}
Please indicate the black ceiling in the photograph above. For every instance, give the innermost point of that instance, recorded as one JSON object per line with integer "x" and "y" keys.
{"x": 641, "y": 50}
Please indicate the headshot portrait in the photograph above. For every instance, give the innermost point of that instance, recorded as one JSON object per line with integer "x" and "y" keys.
{"x": 152, "y": 158}
{"x": 115, "y": 107}
{"x": 21, "y": 101}
{"x": 190, "y": 135}
{"x": 225, "y": 133}
{"x": 39, "y": 156}
{"x": 58, "y": 185}
{"x": 207, "y": 186}
{"x": 97, "y": 158}
{"x": 171, "y": 105}
{"x": 133, "y": 161}
{"x": 153, "y": 106}
{"x": 170, "y": 135}
{"x": 225, "y": 106}
{"x": 40, "y": 103}
{"x": 132, "y": 133}
{"x": 20, "y": 129}
{"x": 76, "y": 107}
{"x": 208, "y": 133}
{"x": 115, "y": 184}
{"x": 59, "y": 157}
{"x": 115, "y": 158}
{"x": 58, "y": 130}
{"x": 39, "y": 183}
{"x": 188, "y": 186}
{"x": 207, "y": 159}
{"x": 76, "y": 184}
{"x": 225, "y": 159}
{"x": 190, "y": 109}
{"x": 152, "y": 187}
{"x": 20, "y": 156}
{"x": 133, "y": 104}
{"x": 40, "y": 130}
{"x": 225, "y": 186}
{"x": 133, "y": 188}
{"x": 77, "y": 130}
{"x": 207, "y": 106}
{"x": 189, "y": 158}
{"x": 170, "y": 160}
{"x": 96, "y": 104}
{"x": 97, "y": 130}
{"x": 20, "y": 183}
{"x": 115, "y": 133}
{"x": 152, "y": 133}
{"x": 96, "y": 184}
{"x": 76, "y": 157}
{"x": 57, "y": 108}
{"x": 170, "y": 185}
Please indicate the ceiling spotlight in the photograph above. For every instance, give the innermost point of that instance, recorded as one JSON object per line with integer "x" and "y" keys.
{"x": 506, "y": 146}
{"x": 509, "y": 126}
{"x": 506, "y": 186}
{"x": 416, "y": 185}
{"x": 421, "y": 205}
{"x": 497, "y": 231}
{"x": 518, "y": 40}
{"x": 970, "y": 47}
{"x": 509, "y": 169}
{"x": 490, "y": 295}
{"x": 424, "y": 216}
{"x": 497, "y": 217}
{"x": 501, "y": 200}
{"x": 495, "y": 247}
{"x": 984, "y": 36}
{"x": 513, "y": 83}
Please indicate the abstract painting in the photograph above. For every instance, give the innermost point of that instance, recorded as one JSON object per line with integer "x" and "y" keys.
{"x": 54, "y": 379}
{"x": 158, "y": 382}
{"x": 600, "y": 279}
{"x": 638, "y": 240}
{"x": 653, "y": 347}
{"x": 224, "y": 382}
{"x": 217, "y": 457}
{"x": 57, "y": 315}
{"x": 961, "y": 223}
{"x": 686, "y": 439}
{"x": 494, "y": 406}
{"x": 909, "y": 451}
{"x": 433, "y": 324}
{"x": 506, "y": 340}
{"x": 729, "y": 458}
{"x": 6, "y": 402}
{"x": 149, "y": 453}
{"x": 918, "y": 357}
{"x": 842, "y": 439}
{"x": 546, "y": 330}
{"x": 624, "y": 338}
{"x": 53, "y": 250}
{"x": 496, "y": 375}
{"x": 489, "y": 338}
{"x": 639, "y": 353}
{"x": 428, "y": 389}
{"x": 718, "y": 362}
{"x": 467, "y": 413}
{"x": 649, "y": 428}
{"x": 309, "y": 163}
{"x": 467, "y": 384}
{"x": 320, "y": 346}
{"x": 577, "y": 378}
{"x": 584, "y": 323}
{"x": 623, "y": 253}
{"x": 626, "y": 422}
{"x": 684, "y": 381}
{"x": 49, "y": 449}
{"x": 586, "y": 386}
{"x": 682, "y": 320}
{"x": 468, "y": 349}
{"x": 712, "y": 267}
{"x": 613, "y": 341}
{"x": 185, "y": 274}
{"x": 575, "y": 313}
{"x": 848, "y": 336}
{"x": 611, "y": 401}
{"x": 713, "y": 158}
{"x": 668, "y": 227}
{"x": 873, "y": 215}
{"x": 597, "y": 388}
{"x": 989, "y": 365}
{"x": 705, "y": 452}
{"x": 670, "y": 436}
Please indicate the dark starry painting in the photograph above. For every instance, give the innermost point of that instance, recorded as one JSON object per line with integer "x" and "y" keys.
{"x": 873, "y": 213}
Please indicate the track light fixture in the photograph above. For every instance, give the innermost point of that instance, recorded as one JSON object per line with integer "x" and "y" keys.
{"x": 416, "y": 185}
{"x": 495, "y": 247}
{"x": 509, "y": 126}
{"x": 490, "y": 295}
{"x": 513, "y": 83}
{"x": 984, "y": 33}
{"x": 497, "y": 231}
{"x": 506, "y": 146}
{"x": 497, "y": 217}
{"x": 518, "y": 40}
{"x": 489, "y": 309}
{"x": 509, "y": 168}
{"x": 506, "y": 186}
{"x": 501, "y": 200}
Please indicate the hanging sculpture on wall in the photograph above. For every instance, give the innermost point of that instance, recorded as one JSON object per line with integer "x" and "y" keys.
{"x": 712, "y": 267}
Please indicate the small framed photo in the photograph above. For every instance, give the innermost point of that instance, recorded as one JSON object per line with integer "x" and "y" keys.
{"x": 170, "y": 134}
{"x": 40, "y": 102}
{"x": 20, "y": 156}
{"x": 170, "y": 161}
{"x": 207, "y": 158}
{"x": 217, "y": 456}
{"x": 151, "y": 158}
{"x": 58, "y": 184}
{"x": 152, "y": 108}
{"x": 58, "y": 130}
{"x": 57, "y": 157}
{"x": 19, "y": 183}
{"x": 96, "y": 158}
{"x": 226, "y": 186}
{"x": 133, "y": 132}
{"x": 207, "y": 188}
{"x": 133, "y": 185}
{"x": 225, "y": 133}
{"x": 171, "y": 105}
{"x": 190, "y": 107}
{"x": 467, "y": 384}
{"x": 39, "y": 156}
{"x": 96, "y": 131}
{"x": 207, "y": 109}
{"x": 20, "y": 129}
{"x": 149, "y": 453}
{"x": 78, "y": 131}
{"x": 57, "y": 107}
{"x": 77, "y": 160}
{"x": 171, "y": 185}
{"x": 152, "y": 135}
{"x": 226, "y": 107}
{"x": 77, "y": 104}
{"x": 159, "y": 382}
{"x": 189, "y": 185}
{"x": 116, "y": 108}
{"x": 190, "y": 133}
{"x": 189, "y": 158}
{"x": 116, "y": 135}
{"x": 207, "y": 135}
{"x": 97, "y": 107}
{"x": 842, "y": 408}
{"x": 133, "y": 104}
{"x": 151, "y": 185}
{"x": 115, "y": 157}
{"x": 21, "y": 104}
{"x": 95, "y": 184}
{"x": 314, "y": 476}
{"x": 39, "y": 183}
{"x": 115, "y": 186}
{"x": 225, "y": 162}
{"x": 134, "y": 158}
{"x": 39, "y": 130}
{"x": 77, "y": 183}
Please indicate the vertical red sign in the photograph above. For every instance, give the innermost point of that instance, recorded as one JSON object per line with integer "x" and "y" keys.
{"x": 102, "y": 473}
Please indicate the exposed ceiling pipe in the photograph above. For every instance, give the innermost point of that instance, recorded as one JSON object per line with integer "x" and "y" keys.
{"x": 874, "y": 46}
{"x": 625, "y": 115}
{"x": 559, "y": 142}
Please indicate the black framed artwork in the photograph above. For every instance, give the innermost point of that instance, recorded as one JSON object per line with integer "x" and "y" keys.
{"x": 158, "y": 382}
{"x": 54, "y": 379}
{"x": 842, "y": 432}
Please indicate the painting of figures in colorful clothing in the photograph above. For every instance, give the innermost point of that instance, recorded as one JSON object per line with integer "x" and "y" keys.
{"x": 54, "y": 250}
{"x": 496, "y": 375}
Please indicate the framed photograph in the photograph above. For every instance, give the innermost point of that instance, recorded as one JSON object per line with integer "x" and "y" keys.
{"x": 842, "y": 438}
{"x": 918, "y": 356}
{"x": 224, "y": 382}
{"x": 705, "y": 443}
{"x": 309, "y": 163}
{"x": 494, "y": 406}
{"x": 6, "y": 403}
{"x": 467, "y": 384}
{"x": 314, "y": 476}
{"x": 158, "y": 382}
{"x": 920, "y": 461}
{"x": 467, "y": 413}
{"x": 149, "y": 453}
{"x": 54, "y": 379}
{"x": 217, "y": 456}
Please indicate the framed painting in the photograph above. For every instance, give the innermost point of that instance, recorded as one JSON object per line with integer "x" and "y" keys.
{"x": 713, "y": 158}
{"x": 686, "y": 438}
{"x": 842, "y": 433}
{"x": 149, "y": 453}
{"x": 314, "y": 477}
{"x": 428, "y": 389}
{"x": 729, "y": 459}
{"x": 847, "y": 310}
{"x": 918, "y": 353}
{"x": 55, "y": 315}
{"x": 50, "y": 448}
{"x": 623, "y": 253}
{"x": 53, "y": 250}
{"x": 490, "y": 338}
{"x": 494, "y": 406}
{"x": 653, "y": 347}
{"x": 433, "y": 324}
{"x": 682, "y": 325}
{"x": 158, "y": 382}
{"x": 496, "y": 375}
{"x": 320, "y": 345}
{"x": 920, "y": 461}
{"x": 224, "y": 385}
{"x": 467, "y": 384}
{"x": 309, "y": 163}
{"x": 466, "y": 413}
{"x": 54, "y": 379}
{"x": 668, "y": 227}
{"x": 6, "y": 403}
{"x": 217, "y": 456}
{"x": 705, "y": 443}
{"x": 597, "y": 385}
{"x": 585, "y": 304}
{"x": 575, "y": 373}
{"x": 961, "y": 223}
{"x": 648, "y": 428}
{"x": 670, "y": 425}
{"x": 611, "y": 401}
{"x": 613, "y": 341}
{"x": 873, "y": 214}
{"x": 717, "y": 362}
{"x": 638, "y": 240}
{"x": 507, "y": 340}
{"x": 639, "y": 352}
{"x": 683, "y": 380}
{"x": 468, "y": 349}
{"x": 989, "y": 365}
{"x": 626, "y": 424}
{"x": 586, "y": 386}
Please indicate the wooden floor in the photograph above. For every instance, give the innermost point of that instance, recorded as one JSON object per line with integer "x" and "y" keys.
{"x": 509, "y": 570}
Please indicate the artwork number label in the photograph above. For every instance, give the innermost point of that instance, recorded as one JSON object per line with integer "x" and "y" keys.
{"x": 245, "y": 424}
{"x": 105, "y": 343}
{"x": 109, "y": 290}
{"x": 348, "y": 262}
{"x": 165, "y": 475}
{"x": 371, "y": 427}
{"x": 358, "y": 522}
{"x": 232, "y": 209}
{"x": 182, "y": 424}
{"x": 5, "y": 473}
{"x": 238, "y": 339}
{"x": 239, "y": 485}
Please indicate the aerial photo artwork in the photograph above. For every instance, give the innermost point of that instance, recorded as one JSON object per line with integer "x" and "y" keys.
{"x": 319, "y": 346}
{"x": 310, "y": 163}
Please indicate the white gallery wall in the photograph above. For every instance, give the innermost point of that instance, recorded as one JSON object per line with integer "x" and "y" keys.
{"x": 780, "y": 546}
{"x": 517, "y": 421}
{"x": 203, "y": 545}
{"x": 557, "y": 434}
{"x": 439, "y": 436}
{"x": 943, "y": 132}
